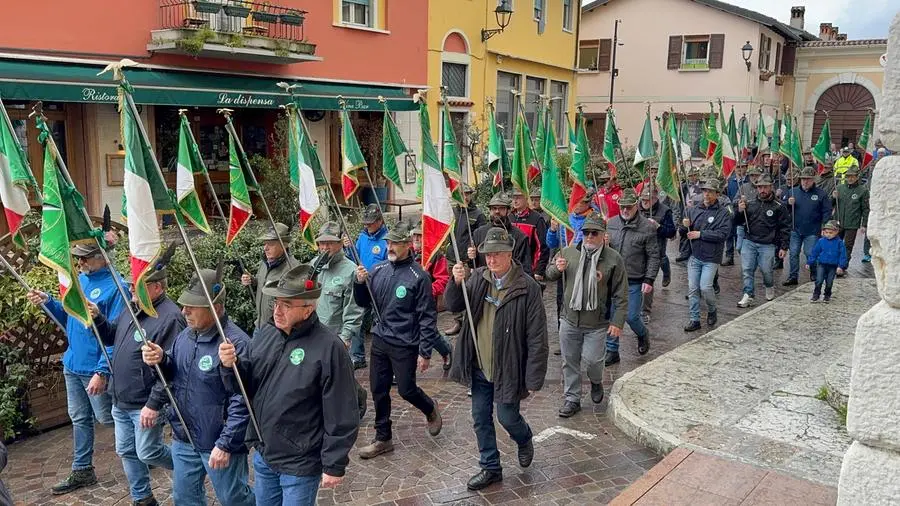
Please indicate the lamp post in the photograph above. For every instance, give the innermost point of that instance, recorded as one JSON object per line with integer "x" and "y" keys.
{"x": 503, "y": 12}
{"x": 747, "y": 52}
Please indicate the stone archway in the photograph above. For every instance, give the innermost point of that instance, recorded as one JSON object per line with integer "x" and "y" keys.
{"x": 847, "y": 105}
{"x": 813, "y": 98}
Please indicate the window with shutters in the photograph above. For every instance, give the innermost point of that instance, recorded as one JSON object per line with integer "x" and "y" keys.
{"x": 454, "y": 77}
{"x": 505, "y": 104}
{"x": 560, "y": 90}
{"x": 567, "y": 15}
{"x": 765, "y": 52}
{"x": 696, "y": 53}
{"x": 594, "y": 55}
{"x": 356, "y": 12}
{"x": 777, "y": 67}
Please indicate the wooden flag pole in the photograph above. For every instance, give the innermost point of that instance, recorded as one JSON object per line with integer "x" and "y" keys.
{"x": 343, "y": 105}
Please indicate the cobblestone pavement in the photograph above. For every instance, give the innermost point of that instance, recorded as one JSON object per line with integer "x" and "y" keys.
{"x": 590, "y": 466}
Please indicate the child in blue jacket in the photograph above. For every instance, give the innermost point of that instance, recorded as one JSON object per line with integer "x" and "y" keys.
{"x": 829, "y": 256}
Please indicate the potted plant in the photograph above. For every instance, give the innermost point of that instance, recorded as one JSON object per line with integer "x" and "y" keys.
{"x": 206, "y": 7}
{"x": 265, "y": 17}
{"x": 294, "y": 18}
{"x": 779, "y": 80}
{"x": 765, "y": 75}
{"x": 237, "y": 10}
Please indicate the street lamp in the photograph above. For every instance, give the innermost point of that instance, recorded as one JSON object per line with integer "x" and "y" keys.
{"x": 503, "y": 12}
{"x": 747, "y": 52}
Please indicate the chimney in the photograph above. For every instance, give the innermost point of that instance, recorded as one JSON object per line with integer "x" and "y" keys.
{"x": 826, "y": 31}
{"x": 841, "y": 36}
{"x": 797, "y": 15}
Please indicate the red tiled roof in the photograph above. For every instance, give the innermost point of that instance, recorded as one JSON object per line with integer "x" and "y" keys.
{"x": 836, "y": 43}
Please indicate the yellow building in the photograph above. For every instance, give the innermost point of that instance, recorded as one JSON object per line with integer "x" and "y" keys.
{"x": 535, "y": 54}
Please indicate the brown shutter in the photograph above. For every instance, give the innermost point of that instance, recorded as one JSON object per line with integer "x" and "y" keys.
{"x": 787, "y": 59}
{"x": 605, "y": 55}
{"x": 675, "y": 42}
{"x": 777, "y": 67}
{"x": 762, "y": 52}
{"x": 716, "y": 50}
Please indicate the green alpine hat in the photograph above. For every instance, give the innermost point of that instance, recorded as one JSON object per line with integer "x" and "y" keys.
{"x": 85, "y": 250}
{"x": 297, "y": 283}
{"x": 711, "y": 184}
{"x": 594, "y": 223}
{"x": 628, "y": 198}
{"x": 496, "y": 241}
{"x": 280, "y": 231}
{"x": 831, "y": 225}
{"x": 399, "y": 233}
{"x": 417, "y": 229}
{"x": 604, "y": 175}
{"x": 330, "y": 231}
{"x": 754, "y": 170}
{"x": 852, "y": 171}
{"x": 159, "y": 269}
{"x": 536, "y": 192}
{"x": 193, "y": 296}
{"x": 467, "y": 188}
{"x": 516, "y": 192}
{"x": 764, "y": 180}
{"x": 500, "y": 200}
{"x": 808, "y": 173}
{"x": 371, "y": 214}
{"x": 694, "y": 171}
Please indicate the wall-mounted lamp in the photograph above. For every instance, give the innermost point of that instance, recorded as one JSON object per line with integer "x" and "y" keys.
{"x": 503, "y": 13}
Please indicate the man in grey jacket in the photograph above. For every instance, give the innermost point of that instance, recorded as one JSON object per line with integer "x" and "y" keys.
{"x": 275, "y": 262}
{"x": 635, "y": 239}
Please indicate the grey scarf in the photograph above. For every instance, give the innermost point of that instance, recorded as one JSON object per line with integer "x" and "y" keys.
{"x": 584, "y": 286}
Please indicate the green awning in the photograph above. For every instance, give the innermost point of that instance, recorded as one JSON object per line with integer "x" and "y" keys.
{"x": 76, "y": 82}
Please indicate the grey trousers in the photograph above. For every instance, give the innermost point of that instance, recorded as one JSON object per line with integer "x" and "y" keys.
{"x": 577, "y": 345}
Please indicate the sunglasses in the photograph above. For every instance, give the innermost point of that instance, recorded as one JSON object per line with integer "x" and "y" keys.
{"x": 591, "y": 233}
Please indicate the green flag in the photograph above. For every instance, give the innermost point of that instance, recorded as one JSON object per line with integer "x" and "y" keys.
{"x": 451, "y": 164}
{"x": 611, "y": 141}
{"x": 519, "y": 172}
{"x": 732, "y": 129}
{"x": 54, "y": 252}
{"x": 667, "y": 176}
{"x": 581, "y": 160}
{"x": 762, "y": 139}
{"x": 553, "y": 199}
{"x": 775, "y": 143}
{"x": 712, "y": 133}
{"x": 796, "y": 155}
{"x": 351, "y": 158}
{"x": 495, "y": 146}
{"x": 822, "y": 150}
{"x": 303, "y": 179}
{"x": 540, "y": 134}
{"x": 788, "y": 137}
{"x": 15, "y": 179}
{"x": 744, "y": 141}
{"x": 863, "y": 143}
{"x": 241, "y": 206}
{"x": 573, "y": 139}
{"x": 645, "y": 149}
{"x": 189, "y": 165}
{"x": 393, "y": 151}
{"x": 704, "y": 142}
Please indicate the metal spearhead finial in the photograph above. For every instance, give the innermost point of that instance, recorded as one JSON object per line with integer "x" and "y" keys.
{"x": 117, "y": 67}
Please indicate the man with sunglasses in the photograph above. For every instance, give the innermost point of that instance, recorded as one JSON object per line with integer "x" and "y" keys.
{"x": 634, "y": 237}
{"x": 85, "y": 368}
{"x": 300, "y": 381}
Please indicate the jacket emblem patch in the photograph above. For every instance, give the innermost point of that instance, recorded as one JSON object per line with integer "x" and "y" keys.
{"x": 205, "y": 363}
{"x": 400, "y": 292}
{"x": 297, "y": 356}
{"x": 95, "y": 293}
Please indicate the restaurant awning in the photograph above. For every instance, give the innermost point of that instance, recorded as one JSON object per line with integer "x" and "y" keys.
{"x": 79, "y": 82}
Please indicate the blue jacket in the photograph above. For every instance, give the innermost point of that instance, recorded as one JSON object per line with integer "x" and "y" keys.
{"x": 811, "y": 209}
{"x": 734, "y": 185}
{"x": 714, "y": 224}
{"x": 372, "y": 248}
{"x": 558, "y": 239}
{"x": 216, "y": 417}
{"x": 829, "y": 251}
{"x": 83, "y": 356}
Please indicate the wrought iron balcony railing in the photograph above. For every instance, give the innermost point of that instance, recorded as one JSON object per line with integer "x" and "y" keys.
{"x": 236, "y": 18}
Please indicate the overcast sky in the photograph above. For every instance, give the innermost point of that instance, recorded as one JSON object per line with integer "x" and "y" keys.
{"x": 859, "y": 19}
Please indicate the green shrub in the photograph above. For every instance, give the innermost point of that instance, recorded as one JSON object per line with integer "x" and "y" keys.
{"x": 14, "y": 371}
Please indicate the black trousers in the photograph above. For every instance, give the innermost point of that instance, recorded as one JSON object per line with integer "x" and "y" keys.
{"x": 388, "y": 362}
{"x": 849, "y": 237}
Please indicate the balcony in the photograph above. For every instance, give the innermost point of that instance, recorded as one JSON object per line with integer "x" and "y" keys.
{"x": 232, "y": 29}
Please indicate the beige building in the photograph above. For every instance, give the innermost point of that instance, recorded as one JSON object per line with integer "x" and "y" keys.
{"x": 689, "y": 53}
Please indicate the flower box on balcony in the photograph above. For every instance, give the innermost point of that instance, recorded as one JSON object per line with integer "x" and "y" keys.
{"x": 294, "y": 19}
{"x": 237, "y": 11}
{"x": 779, "y": 80}
{"x": 206, "y": 7}
{"x": 265, "y": 17}
{"x": 765, "y": 75}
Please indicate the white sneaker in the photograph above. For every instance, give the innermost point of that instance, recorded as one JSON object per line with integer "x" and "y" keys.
{"x": 746, "y": 301}
{"x": 770, "y": 293}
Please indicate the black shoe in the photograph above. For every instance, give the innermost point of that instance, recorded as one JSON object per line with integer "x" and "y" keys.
{"x": 448, "y": 361}
{"x": 147, "y": 501}
{"x": 557, "y": 352}
{"x": 644, "y": 344}
{"x": 612, "y": 357}
{"x": 712, "y": 319}
{"x": 74, "y": 481}
{"x": 597, "y": 392}
{"x": 361, "y": 397}
{"x": 359, "y": 364}
{"x": 728, "y": 262}
{"x": 692, "y": 326}
{"x": 568, "y": 409}
{"x": 682, "y": 259}
{"x": 826, "y": 299}
{"x": 484, "y": 479}
{"x": 789, "y": 282}
{"x": 666, "y": 280}
{"x": 526, "y": 454}
{"x": 716, "y": 288}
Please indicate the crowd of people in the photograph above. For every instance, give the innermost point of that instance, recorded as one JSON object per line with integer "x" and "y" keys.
{"x": 289, "y": 391}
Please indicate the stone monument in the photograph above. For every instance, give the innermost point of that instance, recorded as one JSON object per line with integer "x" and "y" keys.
{"x": 870, "y": 473}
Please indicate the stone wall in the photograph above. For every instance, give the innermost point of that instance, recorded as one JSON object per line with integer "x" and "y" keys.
{"x": 870, "y": 470}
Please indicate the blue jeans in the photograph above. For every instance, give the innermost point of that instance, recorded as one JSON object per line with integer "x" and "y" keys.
{"x": 824, "y": 274}
{"x": 483, "y": 415}
{"x": 139, "y": 448}
{"x": 442, "y": 345}
{"x": 358, "y": 340}
{"x": 83, "y": 408}
{"x": 273, "y": 488}
{"x": 190, "y": 469}
{"x": 740, "y": 232}
{"x": 700, "y": 282}
{"x": 808, "y": 242}
{"x": 753, "y": 255}
{"x": 635, "y": 303}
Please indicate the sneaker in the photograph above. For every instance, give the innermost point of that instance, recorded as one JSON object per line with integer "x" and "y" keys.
{"x": 790, "y": 282}
{"x": 866, "y": 259}
{"x": 376, "y": 448}
{"x": 75, "y": 480}
{"x": 770, "y": 292}
{"x": 569, "y": 409}
{"x": 612, "y": 357}
{"x": 359, "y": 364}
{"x": 746, "y": 301}
{"x": 597, "y": 392}
{"x": 435, "y": 421}
{"x": 645, "y": 317}
{"x": 643, "y": 344}
{"x": 692, "y": 326}
{"x": 666, "y": 280}
{"x": 712, "y": 319}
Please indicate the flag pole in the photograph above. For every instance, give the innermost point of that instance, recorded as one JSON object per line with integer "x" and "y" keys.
{"x": 187, "y": 244}
{"x": 61, "y": 166}
{"x": 12, "y": 132}
{"x": 680, "y": 156}
{"x": 343, "y": 104}
{"x": 465, "y": 205}
{"x": 346, "y": 231}
{"x": 27, "y": 287}
{"x": 229, "y": 126}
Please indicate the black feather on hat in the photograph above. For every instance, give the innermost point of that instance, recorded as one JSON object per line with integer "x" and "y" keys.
{"x": 159, "y": 269}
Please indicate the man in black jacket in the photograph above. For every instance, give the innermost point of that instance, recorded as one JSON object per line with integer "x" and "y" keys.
{"x": 660, "y": 217}
{"x": 534, "y": 228}
{"x": 299, "y": 378}
{"x": 500, "y": 206}
{"x": 706, "y": 227}
{"x": 768, "y": 226}
{"x": 403, "y": 338}
{"x": 507, "y": 360}
{"x": 135, "y": 411}
{"x": 466, "y": 221}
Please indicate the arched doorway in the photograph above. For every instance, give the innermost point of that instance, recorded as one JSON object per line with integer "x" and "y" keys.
{"x": 847, "y": 106}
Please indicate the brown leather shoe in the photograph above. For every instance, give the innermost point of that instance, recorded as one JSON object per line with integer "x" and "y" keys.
{"x": 435, "y": 422}
{"x": 375, "y": 449}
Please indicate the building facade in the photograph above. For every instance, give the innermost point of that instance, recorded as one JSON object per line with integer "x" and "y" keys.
{"x": 534, "y": 54}
{"x": 205, "y": 55}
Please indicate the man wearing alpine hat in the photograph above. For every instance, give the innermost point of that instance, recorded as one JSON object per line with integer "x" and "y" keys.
{"x": 275, "y": 262}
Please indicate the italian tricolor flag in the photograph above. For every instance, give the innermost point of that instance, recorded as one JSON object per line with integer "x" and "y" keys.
{"x": 303, "y": 178}
{"x": 15, "y": 179}
{"x": 241, "y": 206}
{"x": 146, "y": 198}
{"x": 351, "y": 157}
{"x": 189, "y": 164}
{"x": 437, "y": 214}
{"x": 645, "y": 149}
{"x": 495, "y": 145}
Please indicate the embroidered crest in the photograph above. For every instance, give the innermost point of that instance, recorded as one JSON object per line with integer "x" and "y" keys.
{"x": 205, "y": 363}
{"x": 400, "y": 292}
{"x": 137, "y": 335}
{"x": 769, "y": 213}
{"x": 711, "y": 219}
{"x": 337, "y": 280}
{"x": 615, "y": 196}
{"x": 95, "y": 293}
{"x": 297, "y": 356}
{"x": 852, "y": 197}
{"x": 814, "y": 198}
{"x": 376, "y": 249}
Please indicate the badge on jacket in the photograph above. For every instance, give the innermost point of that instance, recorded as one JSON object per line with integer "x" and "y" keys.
{"x": 297, "y": 356}
{"x": 769, "y": 213}
{"x": 814, "y": 198}
{"x": 711, "y": 219}
{"x": 205, "y": 363}
{"x": 852, "y": 197}
{"x": 400, "y": 292}
{"x": 137, "y": 335}
{"x": 96, "y": 291}
{"x": 376, "y": 249}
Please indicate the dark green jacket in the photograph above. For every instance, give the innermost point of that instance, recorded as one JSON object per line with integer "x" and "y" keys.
{"x": 613, "y": 285}
{"x": 264, "y": 303}
{"x": 851, "y": 208}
